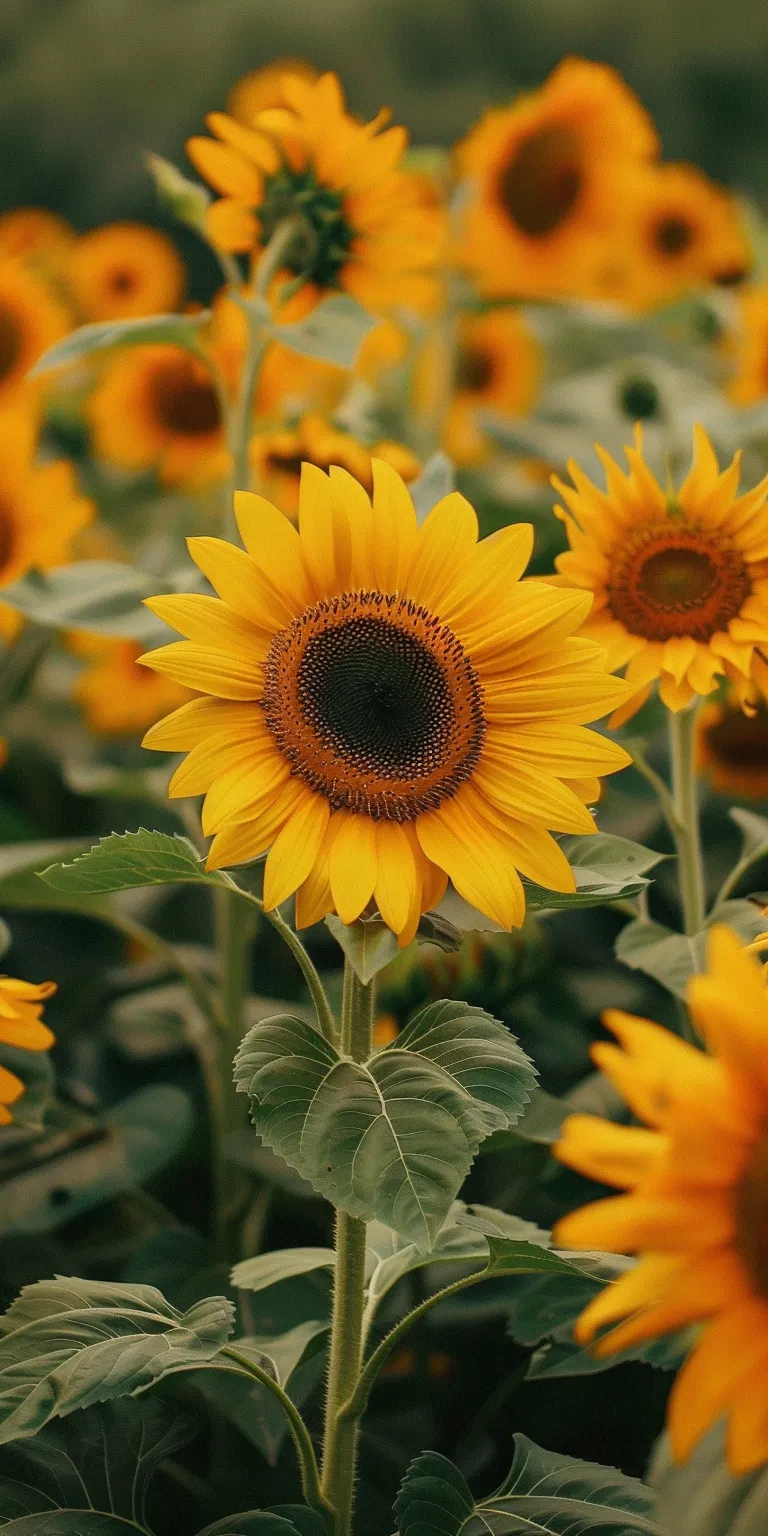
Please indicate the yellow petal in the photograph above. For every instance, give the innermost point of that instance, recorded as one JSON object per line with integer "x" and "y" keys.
{"x": 253, "y": 146}
{"x": 325, "y": 534}
{"x": 712, "y": 1375}
{"x": 193, "y": 723}
{"x": 530, "y": 793}
{"x": 242, "y": 584}
{"x": 397, "y": 884}
{"x": 394, "y": 528}
{"x": 209, "y": 622}
{"x": 295, "y": 850}
{"x": 239, "y": 793}
{"x": 200, "y": 667}
{"x": 226, "y": 170}
{"x": 11, "y": 1087}
{"x": 230, "y": 225}
{"x": 473, "y": 854}
{"x": 445, "y": 542}
{"x": 247, "y": 840}
{"x": 274, "y": 544}
{"x": 352, "y": 864}
{"x": 611, "y": 1154}
{"x": 218, "y": 755}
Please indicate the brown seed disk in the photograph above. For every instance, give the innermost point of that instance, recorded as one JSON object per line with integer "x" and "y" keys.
{"x": 675, "y": 578}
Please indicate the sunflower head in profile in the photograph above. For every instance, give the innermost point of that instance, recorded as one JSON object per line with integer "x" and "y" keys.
{"x": 389, "y": 705}
{"x": 547, "y": 181}
{"x": 732, "y": 746}
{"x": 695, "y": 1201}
{"x": 158, "y": 406}
{"x": 277, "y": 457}
{"x": 116, "y": 695}
{"x": 680, "y": 579}
{"x": 123, "y": 271}
{"x": 365, "y": 225}
{"x": 498, "y": 367}
{"x": 31, "y": 321}
{"x": 21, "y": 1026}
{"x": 684, "y": 232}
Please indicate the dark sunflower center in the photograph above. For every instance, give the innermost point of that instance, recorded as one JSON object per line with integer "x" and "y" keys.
{"x": 323, "y": 249}
{"x": 672, "y": 578}
{"x": 731, "y": 277}
{"x": 7, "y": 536}
{"x": 375, "y": 704}
{"x": 122, "y": 280}
{"x": 10, "y": 342}
{"x": 541, "y": 184}
{"x": 639, "y": 399}
{"x": 739, "y": 740}
{"x": 752, "y": 1217}
{"x": 286, "y": 463}
{"x": 672, "y": 235}
{"x": 474, "y": 369}
{"x": 184, "y": 400}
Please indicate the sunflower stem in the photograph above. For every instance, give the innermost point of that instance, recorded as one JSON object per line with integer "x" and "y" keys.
{"x": 234, "y": 925}
{"x": 687, "y": 831}
{"x": 346, "y": 1347}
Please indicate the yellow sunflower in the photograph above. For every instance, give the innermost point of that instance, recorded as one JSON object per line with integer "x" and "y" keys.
{"x": 680, "y": 579}
{"x": 683, "y": 232}
{"x": 696, "y": 1202}
{"x": 749, "y": 348}
{"x": 117, "y": 696}
{"x": 370, "y": 230}
{"x": 123, "y": 271}
{"x": 21, "y": 1004}
{"x": 390, "y": 705}
{"x": 31, "y": 320}
{"x": 498, "y": 367}
{"x": 732, "y": 747}
{"x": 158, "y": 406}
{"x": 37, "y": 237}
{"x": 547, "y": 181}
{"x": 41, "y": 509}
{"x": 277, "y": 457}
{"x": 262, "y": 88}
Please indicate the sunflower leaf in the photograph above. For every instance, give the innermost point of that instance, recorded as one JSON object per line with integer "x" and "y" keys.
{"x": 391, "y": 1139}
{"x": 100, "y": 596}
{"x": 126, "y": 860}
{"x": 333, "y": 332}
{"x": 66, "y": 1343}
{"x": 180, "y": 330}
{"x": 543, "y": 1492}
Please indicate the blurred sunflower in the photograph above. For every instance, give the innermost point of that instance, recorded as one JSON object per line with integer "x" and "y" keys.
{"x": 696, "y": 1202}
{"x": 158, "y": 406}
{"x": 262, "y": 88}
{"x": 277, "y": 456}
{"x": 498, "y": 366}
{"x": 748, "y": 349}
{"x": 367, "y": 226}
{"x": 41, "y": 509}
{"x": 36, "y": 237}
{"x": 21, "y": 1004}
{"x": 390, "y": 705}
{"x": 732, "y": 747}
{"x": 117, "y": 696}
{"x": 124, "y": 271}
{"x": 547, "y": 182}
{"x": 680, "y": 579}
{"x": 31, "y": 320}
{"x": 683, "y": 232}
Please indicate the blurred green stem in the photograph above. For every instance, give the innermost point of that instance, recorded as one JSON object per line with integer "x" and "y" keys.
{"x": 234, "y": 927}
{"x": 687, "y": 832}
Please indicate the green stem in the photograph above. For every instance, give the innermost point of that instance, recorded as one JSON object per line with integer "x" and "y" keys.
{"x": 292, "y": 942}
{"x": 687, "y": 834}
{"x": 234, "y": 931}
{"x": 346, "y": 1347}
{"x": 310, "y": 1479}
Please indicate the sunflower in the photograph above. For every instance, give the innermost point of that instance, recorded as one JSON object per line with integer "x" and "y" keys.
{"x": 21, "y": 1004}
{"x": 117, "y": 696}
{"x": 123, "y": 271}
{"x": 749, "y": 348}
{"x": 547, "y": 182}
{"x": 697, "y": 1200}
{"x": 369, "y": 229}
{"x": 683, "y": 232}
{"x": 262, "y": 88}
{"x": 31, "y": 320}
{"x": 159, "y": 406}
{"x": 277, "y": 457}
{"x": 36, "y": 237}
{"x": 389, "y": 706}
{"x": 41, "y": 509}
{"x": 680, "y": 579}
{"x": 498, "y": 366}
{"x": 732, "y": 748}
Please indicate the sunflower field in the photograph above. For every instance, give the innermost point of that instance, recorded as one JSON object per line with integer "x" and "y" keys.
{"x": 383, "y": 831}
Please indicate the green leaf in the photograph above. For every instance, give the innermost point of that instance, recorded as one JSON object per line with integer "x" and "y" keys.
{"x": 701, "y": 1498}
{"x": 333, "y": 332}
{"x": 71, "y": 1522}
{"x": 184, "y": 199}
{"x": 671, "y": 958}
{"x": 369, "y": 944}
{"x": 295, "y": 1359}
{"x": 101, "y": 596}
{"x": 269, "y": 1268}
{"x": 180, "y": 330}
{"x": 267, "y": 1522}
{"x": 394, "y": 1138}
{"x": 20, "y": 888}
{"x": 125, "y": 860}
{"x": 754, "y": 832}
{"x": 543, "y": 1492}
{"x": 67, "y": 1343}
{"x": 605, "y": 868}
{"x": 541, "y": 1122}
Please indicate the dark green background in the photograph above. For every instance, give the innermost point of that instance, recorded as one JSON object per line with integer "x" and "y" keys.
{"x": 86, "y": 86}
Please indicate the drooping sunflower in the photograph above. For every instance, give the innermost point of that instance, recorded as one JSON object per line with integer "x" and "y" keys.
{"x": 117, "y": 696}
{"x": 732, "y": 747}
{"x": 749, "y": 347}
{"x": 696, "y": 1201}
{"x": 122, "y": 271}
{"x": 277, "y": 457}
{"x": 547, "y": 179}
{"x": 262, "y": 88}
{"x": 683, "y": 232}
{"x": 680, "y": 579}
{"x": 21, "y": 1005}
{"x": 31, "y": 320}
{"x": 498, "y": 367}
{"x": 158, "y": 406}
{"x": 368, "y": 228}
{"x": 41, "y": 509}
{"x": 389, "y": 705}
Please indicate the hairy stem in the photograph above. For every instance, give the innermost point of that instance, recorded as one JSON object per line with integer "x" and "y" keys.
{"x": 687, "y": 834}
{"x": 310, "y": 1479}
{"x": 346, "y": 1347}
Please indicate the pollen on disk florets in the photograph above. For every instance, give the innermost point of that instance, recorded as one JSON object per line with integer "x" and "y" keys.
{"x": 375, "y": 704}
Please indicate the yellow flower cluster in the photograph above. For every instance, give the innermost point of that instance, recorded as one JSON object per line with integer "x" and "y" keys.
{"x": 21, "y": 1006}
